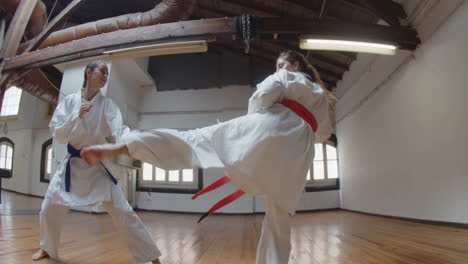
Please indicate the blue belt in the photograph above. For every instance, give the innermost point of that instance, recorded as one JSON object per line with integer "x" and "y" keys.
{"x": 75, "y": 153}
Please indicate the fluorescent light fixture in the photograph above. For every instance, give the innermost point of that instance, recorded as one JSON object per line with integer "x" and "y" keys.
{"x": 344, "y": 45}
{"x": 191, "y": 46}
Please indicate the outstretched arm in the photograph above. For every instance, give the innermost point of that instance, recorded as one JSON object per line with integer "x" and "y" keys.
{"x": 93, "y": 154}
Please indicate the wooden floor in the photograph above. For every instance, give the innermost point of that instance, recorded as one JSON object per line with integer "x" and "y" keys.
{"x": 323, "y": 237}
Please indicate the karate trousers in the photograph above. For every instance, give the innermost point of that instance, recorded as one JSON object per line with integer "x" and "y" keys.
{"x": 126, "y": 221}
{"x": 274, "y": 246}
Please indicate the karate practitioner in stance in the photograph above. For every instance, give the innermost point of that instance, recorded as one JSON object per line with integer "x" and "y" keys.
{"x": 266, "y": 152}
{"x": 82, "y": 119}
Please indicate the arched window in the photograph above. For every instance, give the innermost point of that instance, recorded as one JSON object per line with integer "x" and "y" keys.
{"x": 11, "y": 101}
{"x": 6, "y": 157}
{"x": 46, "y": 161}
{"x": 323, "y": 175}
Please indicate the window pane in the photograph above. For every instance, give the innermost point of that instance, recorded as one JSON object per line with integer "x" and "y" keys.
{"x": 6, "y": 110}
{"x": 9, "y": 152}
{"x": 3, "y": 149}
{"x": 174, "y": 176}
{"x": 2, "y": 162}
{"x": 11, "y": 101}
{"x": 160, "y": 174}
{"x": 49, "y": 153}
{"x": 187, "y": 175}
{"x": 9, "y": 162}
{"x": 48, "y": 162}
{"x": 48, "y": 166}
{"x": 319, "y": 172}
{"x": 332, "y": 166}
{"x": 318, "y": 152}
{"x": 308, "y": 175}
{"x": 331, "y": 153}
{"x": 10, "y": 110}
{"x": 147, "y": 172}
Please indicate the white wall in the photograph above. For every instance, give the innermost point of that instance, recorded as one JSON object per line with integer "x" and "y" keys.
{"x": 402, "y": 141}
{"x": 28, "y": 133}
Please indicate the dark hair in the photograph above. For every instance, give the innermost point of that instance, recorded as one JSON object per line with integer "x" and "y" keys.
{"x": 305, "y": 67}
{"x": 91, "y": 66}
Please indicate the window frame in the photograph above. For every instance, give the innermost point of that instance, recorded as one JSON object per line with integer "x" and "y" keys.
{"x": 169, "y": 187}
{"x": 5, "y": 173}
{"x": 324, "y": 184}
{"x": 45, "y": 146}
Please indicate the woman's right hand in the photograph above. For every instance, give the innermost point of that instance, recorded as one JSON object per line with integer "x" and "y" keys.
{"x": 85, "y": 107}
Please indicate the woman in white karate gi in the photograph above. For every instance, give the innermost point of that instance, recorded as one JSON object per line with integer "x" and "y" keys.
{"x": 86, "y": 118}
{"x": 266, "y": 152}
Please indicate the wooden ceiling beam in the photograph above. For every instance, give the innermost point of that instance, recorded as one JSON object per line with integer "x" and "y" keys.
{"x": 234, "y": 49}
{"x": 360, "y": 7}
{"x": 96, "y": 45}
{"x": 206, "y": 13}
{"x": 231, "y": 8}
{"x": 392, "y": 12}
{"x": 17, "y": 27}
{"x": 93, "y": 46}
{"x": 269, "y": 8}
{"x": 389, "y": 11}
{"x": 313, "y": 8}
{"x": 53, "y": 25}
{"x": 284, "y": 8}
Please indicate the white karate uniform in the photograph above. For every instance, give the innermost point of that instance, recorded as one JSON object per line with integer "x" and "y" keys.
{"x": 90, "y": 185}
{"x": 266, "y": 152}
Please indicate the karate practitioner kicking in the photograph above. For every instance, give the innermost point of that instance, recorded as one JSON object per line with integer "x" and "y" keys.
{"x": 82, "y": 119}
{"x": 266, "y": 152}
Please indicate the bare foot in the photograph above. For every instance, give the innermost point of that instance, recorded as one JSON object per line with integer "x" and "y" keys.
{"x": 40, "y": 254}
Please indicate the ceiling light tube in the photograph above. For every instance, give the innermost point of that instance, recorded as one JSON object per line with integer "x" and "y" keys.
{"x": 345, "y": 45}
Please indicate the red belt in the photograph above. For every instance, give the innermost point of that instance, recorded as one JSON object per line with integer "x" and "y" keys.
{"x": 294, "y": 106}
